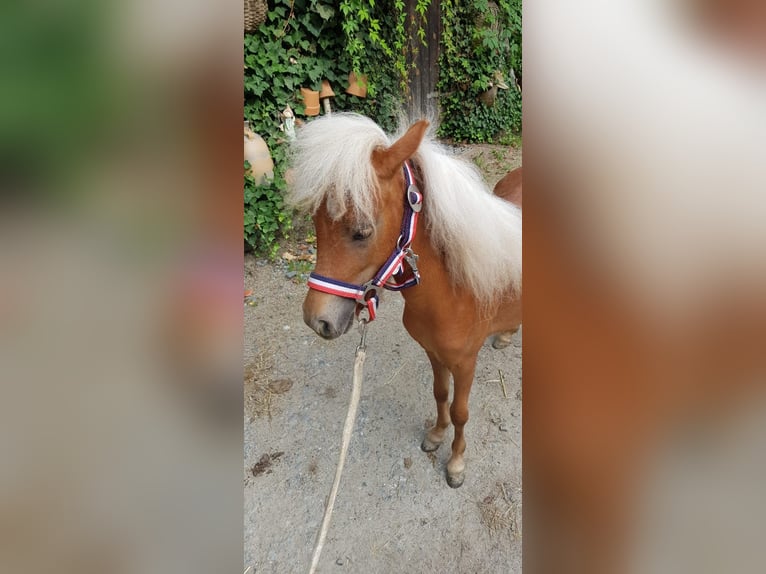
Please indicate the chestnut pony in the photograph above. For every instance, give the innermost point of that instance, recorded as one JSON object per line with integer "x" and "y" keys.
{"x": 464, "y": 284}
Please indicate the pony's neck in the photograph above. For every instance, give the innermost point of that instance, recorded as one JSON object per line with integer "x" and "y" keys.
{"x": 436, "y": 283}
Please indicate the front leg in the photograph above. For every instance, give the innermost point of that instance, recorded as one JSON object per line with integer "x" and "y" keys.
{"x": 463, "y": 375}
{"x": 435, "y": 436}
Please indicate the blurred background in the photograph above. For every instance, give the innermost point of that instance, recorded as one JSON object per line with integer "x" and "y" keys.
{"x": 120, "y": 287}
{"x": 645, "y": 299}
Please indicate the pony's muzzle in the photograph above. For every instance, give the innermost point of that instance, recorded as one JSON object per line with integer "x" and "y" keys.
{"x": 328, "y": 315}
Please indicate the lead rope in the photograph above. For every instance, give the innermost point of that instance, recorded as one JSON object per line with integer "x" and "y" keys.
{"x": 348, "y": 427}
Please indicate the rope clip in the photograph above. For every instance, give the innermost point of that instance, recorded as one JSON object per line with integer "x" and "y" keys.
{"x": 363, "y": 332}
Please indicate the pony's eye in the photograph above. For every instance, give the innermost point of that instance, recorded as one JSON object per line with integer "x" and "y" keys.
{"x": 361, "y": 234}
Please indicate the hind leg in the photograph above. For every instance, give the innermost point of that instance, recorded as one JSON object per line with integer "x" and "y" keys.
{"x": 435, "y": 436}
{"x": 502, "y": 340}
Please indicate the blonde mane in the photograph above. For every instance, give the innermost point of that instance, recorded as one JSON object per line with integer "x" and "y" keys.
{"x": 478, "y": 234}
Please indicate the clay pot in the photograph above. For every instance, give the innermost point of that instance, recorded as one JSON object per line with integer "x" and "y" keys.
{"x": 489, "y": 96}
{"x": 326, "y": 90}
{"x": 357, "y": 86}
{"x": 310, "y": 101}
{"x": 257, "y": 153}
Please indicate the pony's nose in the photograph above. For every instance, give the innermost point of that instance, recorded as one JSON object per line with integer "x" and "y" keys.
{"x": 327, "y": 315}
{"x": 324, "y": 329}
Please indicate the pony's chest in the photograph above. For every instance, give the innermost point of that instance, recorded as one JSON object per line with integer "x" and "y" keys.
{"x": 447, "y": 331}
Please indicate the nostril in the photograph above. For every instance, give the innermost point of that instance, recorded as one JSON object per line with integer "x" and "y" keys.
{"x": 324, "y": 328}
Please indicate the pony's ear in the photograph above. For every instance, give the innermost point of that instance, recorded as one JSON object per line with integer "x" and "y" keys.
{"x": 388, "y": 161}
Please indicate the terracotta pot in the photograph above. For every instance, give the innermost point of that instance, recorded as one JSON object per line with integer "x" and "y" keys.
{"x": 488, "y": 97}
{"x": 311, "y": 101}
{"x": 326, "y": 91}
{"x": 357, "y": 86}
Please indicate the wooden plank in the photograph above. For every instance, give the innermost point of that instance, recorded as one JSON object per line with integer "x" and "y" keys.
{"x": 422, "y": 100}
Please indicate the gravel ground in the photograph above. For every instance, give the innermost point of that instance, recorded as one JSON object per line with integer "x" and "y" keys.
{"x": 394, "y": 512}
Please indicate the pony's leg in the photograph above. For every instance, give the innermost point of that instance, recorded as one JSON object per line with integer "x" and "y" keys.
{"x": 502, "y": 340}
{"x": 463, "y": 376}
{"x": 435, "y": 436}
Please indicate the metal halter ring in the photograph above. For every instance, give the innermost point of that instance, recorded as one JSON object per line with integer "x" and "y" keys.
{"x": 368, "y": 288}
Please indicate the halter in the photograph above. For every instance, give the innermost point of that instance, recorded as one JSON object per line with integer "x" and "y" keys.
{"x": 367, "y": 294}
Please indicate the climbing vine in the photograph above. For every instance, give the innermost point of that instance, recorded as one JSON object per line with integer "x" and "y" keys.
{"x": 382, "y": 26}
{"x": 301, "y": 43}
{"x": 481, "y": 50}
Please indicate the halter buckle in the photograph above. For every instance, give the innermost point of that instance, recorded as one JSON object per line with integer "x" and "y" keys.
{"x": 414, "y": 198}
{"x": 412, "y": 260}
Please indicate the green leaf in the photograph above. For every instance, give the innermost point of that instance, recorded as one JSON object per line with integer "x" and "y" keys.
{"x": 325, "y": 12}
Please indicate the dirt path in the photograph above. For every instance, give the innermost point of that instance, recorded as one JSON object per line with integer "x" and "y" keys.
{"x": 394, "y": 512}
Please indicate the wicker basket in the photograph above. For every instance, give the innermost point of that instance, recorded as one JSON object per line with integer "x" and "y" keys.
{"x": 255, "y": 14}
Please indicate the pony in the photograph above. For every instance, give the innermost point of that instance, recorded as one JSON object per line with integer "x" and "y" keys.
{"x": 456, "y": 250}
{"x": 510, "y": 186}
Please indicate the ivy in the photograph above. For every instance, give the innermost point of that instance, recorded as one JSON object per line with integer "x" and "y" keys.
{"x": 479, "y": 39}
{"x": 376, "y": 29}
{"x": 265, "y": 217}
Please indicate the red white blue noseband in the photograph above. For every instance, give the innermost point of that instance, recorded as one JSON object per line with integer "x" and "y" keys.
{"x": 367, "y": 295}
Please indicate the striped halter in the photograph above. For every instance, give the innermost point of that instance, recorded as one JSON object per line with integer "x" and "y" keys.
{"x": 367, "y": 295}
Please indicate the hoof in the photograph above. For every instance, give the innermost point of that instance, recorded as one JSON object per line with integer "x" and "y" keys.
{"x": 455, "y": 480}
{"x": 428, "y": 446}
{"x": 502, "y": 340}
